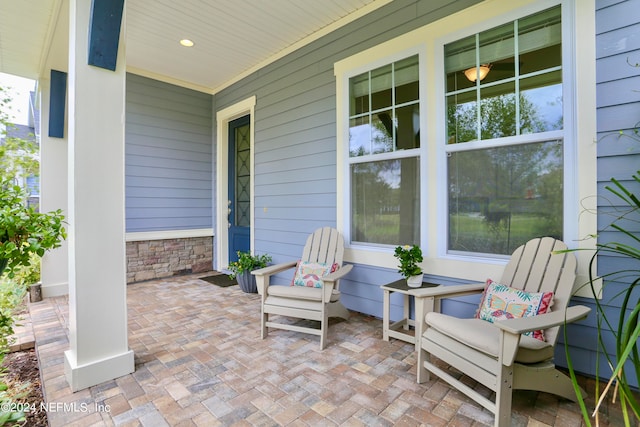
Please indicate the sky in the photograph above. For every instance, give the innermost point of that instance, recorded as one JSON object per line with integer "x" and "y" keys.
{"x": 19, "y": 93}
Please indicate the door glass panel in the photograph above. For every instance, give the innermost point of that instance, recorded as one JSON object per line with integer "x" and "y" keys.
{"x": 242, "y": 180}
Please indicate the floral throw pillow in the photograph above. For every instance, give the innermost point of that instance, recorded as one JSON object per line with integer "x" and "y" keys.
{"x": 500, "y": 302}
{"x": 310, "y": 274}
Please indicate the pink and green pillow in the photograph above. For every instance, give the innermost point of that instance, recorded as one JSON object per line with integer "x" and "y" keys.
{"x": 500, "y": 302}
{"x": 310, "y": 274}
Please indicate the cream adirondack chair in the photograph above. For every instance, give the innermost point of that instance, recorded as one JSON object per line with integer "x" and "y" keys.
{"x": 496, "y": 354}
{"x": 325, "y": 245}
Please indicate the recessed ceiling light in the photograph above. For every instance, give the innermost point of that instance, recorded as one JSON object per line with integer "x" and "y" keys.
{"x": 186, "y": 43}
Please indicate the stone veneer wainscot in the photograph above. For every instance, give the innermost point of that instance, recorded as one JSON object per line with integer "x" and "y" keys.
{"x": 155, "y": 259}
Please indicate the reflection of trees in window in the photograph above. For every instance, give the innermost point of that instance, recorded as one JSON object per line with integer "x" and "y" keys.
{"x": 371, "y": 198}
{"x": 501, "y": 197}
{"x": 497, "y": 119}
{"x": 385, "y": 202}
{"x": 405, "y": 129}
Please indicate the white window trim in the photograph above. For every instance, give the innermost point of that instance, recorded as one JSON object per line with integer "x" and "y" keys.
{"x": 578, "y": 18}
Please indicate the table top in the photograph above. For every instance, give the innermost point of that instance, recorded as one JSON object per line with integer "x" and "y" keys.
{"x": 400, "y": 285}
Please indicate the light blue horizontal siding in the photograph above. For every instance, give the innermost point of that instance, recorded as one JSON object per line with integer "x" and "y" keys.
{"x": 618, "y": 101}
{"x": 139, "y": 202}
{"x": 613, "y": 16}
{"x": 620, "y": 91}
{"x": 168, "y": 157}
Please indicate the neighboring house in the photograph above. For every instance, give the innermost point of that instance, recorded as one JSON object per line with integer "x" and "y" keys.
{"x": 28, "y": 132}
{"x": 382, "y": 129}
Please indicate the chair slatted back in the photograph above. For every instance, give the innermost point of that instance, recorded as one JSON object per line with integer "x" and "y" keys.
{"x": 325, "y": 245}
{"x": 534, "y": 267}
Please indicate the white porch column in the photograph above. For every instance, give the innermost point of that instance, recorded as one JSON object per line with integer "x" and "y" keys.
{"x": 54, "y": 274}
{"x": 97, "y": 268}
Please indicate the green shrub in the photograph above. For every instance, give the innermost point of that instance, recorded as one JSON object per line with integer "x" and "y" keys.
{"x": 28, "y": 274}
{"x": 23, "y": 231}
{"x": 12, "y": 297}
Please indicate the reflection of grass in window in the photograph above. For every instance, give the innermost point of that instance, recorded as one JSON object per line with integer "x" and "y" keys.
{"x": 382, "y": 229}
{"x": 471, "y": 233}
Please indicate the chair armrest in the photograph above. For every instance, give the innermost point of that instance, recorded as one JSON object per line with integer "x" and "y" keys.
{"x": 338, "y": 274}
{"x": 543, "y": 321}
{"x": 513, "y": 328}
{"x": 273, "y": 269}
{"x": 329, "y": 281}
{"x": 450, "y": 291}
{"x": 263, "y": 275}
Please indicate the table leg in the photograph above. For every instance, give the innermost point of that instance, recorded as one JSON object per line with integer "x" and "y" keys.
{"x": 386, "y": 307}
{"x": 406, "y": 312}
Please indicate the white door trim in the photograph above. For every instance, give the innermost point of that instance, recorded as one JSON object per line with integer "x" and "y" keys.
{"x": 223, "y": 117}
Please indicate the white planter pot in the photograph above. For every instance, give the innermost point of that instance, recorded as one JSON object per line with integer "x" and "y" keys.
{"x": 415, "y": 281}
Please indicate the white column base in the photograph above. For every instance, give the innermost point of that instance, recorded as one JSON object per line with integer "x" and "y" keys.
{"x": 55, "y": 290}
{"x": 83, "y": 376}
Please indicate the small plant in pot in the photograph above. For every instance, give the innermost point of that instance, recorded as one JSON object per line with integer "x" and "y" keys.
{"x": 409, "y": 257}
{"x": 242, "y": 268}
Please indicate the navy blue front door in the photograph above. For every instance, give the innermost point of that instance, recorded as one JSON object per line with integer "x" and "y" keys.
{"x": 239, "y": 187}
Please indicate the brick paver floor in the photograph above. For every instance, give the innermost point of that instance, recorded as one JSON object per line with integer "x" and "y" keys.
{"x": 200, "y": 362}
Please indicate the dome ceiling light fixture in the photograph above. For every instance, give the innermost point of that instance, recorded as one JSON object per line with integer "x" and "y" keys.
{"x": 474, "y": 72}
{"x": 187, "y": 43}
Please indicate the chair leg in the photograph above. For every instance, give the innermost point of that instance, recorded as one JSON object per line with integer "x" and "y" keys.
{"x": 263, "y": 329}
{"x": 336, "y": 309}
{"x": 504, "y": 394}
{"x": 324, "y": 325}
{"x": 545, "y": 377}
{"x": 422, "y": 373}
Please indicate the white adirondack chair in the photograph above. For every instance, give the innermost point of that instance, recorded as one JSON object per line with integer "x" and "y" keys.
{"x": 325, "y": 245}
{"x": 496, "y": 354}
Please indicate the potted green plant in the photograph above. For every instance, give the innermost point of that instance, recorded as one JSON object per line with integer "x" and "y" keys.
{"x": 241, "y": 269}
{"x": 409, "y": 257}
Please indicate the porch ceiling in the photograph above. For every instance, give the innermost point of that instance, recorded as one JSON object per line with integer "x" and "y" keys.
{"x": 232, "y": 38}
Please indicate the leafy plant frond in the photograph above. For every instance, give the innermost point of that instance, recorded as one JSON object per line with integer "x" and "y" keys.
{"x": 626, "y": 326}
